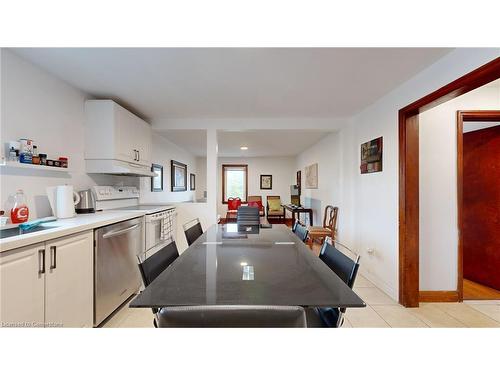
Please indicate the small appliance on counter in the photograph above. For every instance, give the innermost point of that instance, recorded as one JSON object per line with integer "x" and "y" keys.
{"x": 87, "y": 202}
{"x": 62, "y": 200}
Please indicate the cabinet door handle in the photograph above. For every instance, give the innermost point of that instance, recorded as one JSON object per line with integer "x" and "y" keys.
{"x": 138, "y": 155}
{"x": 136, "y": 158}
{"x": 41, "y": 261}
{"x": 53, "y": 257}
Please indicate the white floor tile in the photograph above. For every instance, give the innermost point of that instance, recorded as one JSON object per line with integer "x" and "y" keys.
{"x": 467, "y": 315}
{"x": 365, "y": 318}
{"x": 492, "y": 311}
{"x": 398, "y": 316}
{"x": 374, "y": 296}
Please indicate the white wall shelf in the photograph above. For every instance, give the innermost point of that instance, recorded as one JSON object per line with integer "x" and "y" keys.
{"x": 15, "y": 164}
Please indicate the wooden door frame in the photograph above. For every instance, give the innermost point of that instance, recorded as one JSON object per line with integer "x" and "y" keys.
{"x": 409, "y": 293}
{"x": 464, "y": 116}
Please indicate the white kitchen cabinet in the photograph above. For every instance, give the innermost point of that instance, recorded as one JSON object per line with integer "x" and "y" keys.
{"x": 49, "y": 283}
{"x": 69, "y": 287}
{"x": 22, "y": 285}
{"x": 114, "y": 133}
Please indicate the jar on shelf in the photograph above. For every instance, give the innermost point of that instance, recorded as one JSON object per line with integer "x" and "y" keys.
{"x": 43, "y": 159}
{"x": 64, "y": 161}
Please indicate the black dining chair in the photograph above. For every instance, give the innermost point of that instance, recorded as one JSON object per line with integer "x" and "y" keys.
{"x": 301, "y": 231}
{"x": 248, "y": 216}
{"x": 345, "y": 268}
{"x": 192, "y": 230}
{"x": 155, "y": 264}
{"x": 232, "y": 316}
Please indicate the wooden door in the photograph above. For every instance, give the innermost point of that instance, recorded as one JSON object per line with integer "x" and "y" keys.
{"x": 481, "y": 206}
{"x": 69, "y": 290}
{"x": 22, "y": 283}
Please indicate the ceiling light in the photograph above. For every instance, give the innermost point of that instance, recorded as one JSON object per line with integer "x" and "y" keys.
{"x": 243, "y": 148}
{"x": 243, "y": 264}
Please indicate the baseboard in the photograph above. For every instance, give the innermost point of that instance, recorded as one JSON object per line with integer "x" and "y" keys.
{"x": 438, "y": 296}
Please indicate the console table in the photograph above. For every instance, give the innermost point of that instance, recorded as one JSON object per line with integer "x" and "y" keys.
{"x": 298, "y": 210}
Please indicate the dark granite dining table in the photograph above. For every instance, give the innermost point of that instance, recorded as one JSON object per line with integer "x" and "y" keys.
{"x": 231, "y": 265}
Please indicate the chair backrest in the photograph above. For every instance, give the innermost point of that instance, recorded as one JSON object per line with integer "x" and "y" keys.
{"x": 233, "y": 203}
{"x": 301, "y": 231}
{"x": 341, "y": 264}
{"x": 158, "y": 262}
{"x": 255, "y": 201}
{"x": 235, "y": 316}
{"x": 271, "y": 197}
{"x": 330, "y": 218}
{"x": 192, "y": 230}
{"x": 248, "y": 215}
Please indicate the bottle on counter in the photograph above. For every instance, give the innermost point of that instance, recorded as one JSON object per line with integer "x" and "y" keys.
{"x": 19, "y": 213}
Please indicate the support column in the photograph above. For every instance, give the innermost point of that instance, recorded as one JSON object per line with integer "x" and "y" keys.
{"x": 212, "y": 175}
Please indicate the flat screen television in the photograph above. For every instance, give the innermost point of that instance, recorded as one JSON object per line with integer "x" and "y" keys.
{"x": 295, "y": 195}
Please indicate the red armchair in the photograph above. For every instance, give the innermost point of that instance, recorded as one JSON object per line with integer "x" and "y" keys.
{"x": 232, "y": 208}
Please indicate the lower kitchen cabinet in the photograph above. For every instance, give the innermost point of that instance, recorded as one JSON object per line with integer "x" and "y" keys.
{"x": 69, "y": 287}
{"x": 22, "y": 287}
{"x": 49, "y": 284}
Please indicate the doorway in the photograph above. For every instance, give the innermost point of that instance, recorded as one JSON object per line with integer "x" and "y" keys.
{"x": 478, "y": 166}
{"x": 409, "y": 293}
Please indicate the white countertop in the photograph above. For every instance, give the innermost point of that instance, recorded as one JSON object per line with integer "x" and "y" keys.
{"x": 64, "y": 227}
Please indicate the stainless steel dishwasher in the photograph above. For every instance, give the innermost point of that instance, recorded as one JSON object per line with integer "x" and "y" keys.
{"x": 116, "y": 274}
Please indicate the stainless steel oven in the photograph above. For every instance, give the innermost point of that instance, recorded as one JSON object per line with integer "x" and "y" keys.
{"x": 116, "y": 274}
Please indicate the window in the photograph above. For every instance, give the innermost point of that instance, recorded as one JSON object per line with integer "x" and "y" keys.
{"x": 234, "y": 182}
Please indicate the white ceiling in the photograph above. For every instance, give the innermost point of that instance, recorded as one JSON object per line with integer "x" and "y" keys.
{"x": 259, "y": 142}
{"x": 236, "y": 82}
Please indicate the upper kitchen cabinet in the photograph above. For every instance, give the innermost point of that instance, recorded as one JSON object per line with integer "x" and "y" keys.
{"x": 116, "y": 140}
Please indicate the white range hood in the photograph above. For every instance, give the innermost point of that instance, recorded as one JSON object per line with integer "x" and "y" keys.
{"x": 117, "y": 167}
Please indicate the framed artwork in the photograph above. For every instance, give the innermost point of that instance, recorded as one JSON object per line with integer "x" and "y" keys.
{"x": 192, "y": 181}
{"x": 371, "y": 156}
{"x": 157, "y": 179}
{"x": 312, "y": 176}
{"x": 266, "y": 182}
{"x": 178, "y": 176}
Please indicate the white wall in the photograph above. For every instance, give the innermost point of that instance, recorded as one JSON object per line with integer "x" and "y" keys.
{"x": 281, "y": 168}
{"x": 438, "y": 187}
{"x": 41, "y": 107}
{"x": 327, "y": 154}
{"x": 163, "y": 151}
{"x": 201, "y": 176}
{"x": 368, "y": 204}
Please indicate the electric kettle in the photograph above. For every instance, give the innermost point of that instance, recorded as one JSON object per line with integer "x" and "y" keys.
{"x": 87, "y": 202}
{"x": 62, "y": 200}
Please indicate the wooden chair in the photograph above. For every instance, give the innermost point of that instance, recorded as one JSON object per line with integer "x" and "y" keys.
{"x": 329, "y": 226}
{"x": 276, "y": 213}
{"x": 256, "y": 201}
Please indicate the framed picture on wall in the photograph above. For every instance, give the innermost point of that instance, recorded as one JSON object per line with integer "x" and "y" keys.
{"x": 266, "y": 182}
{"x": 192, "y": 181}
{"x": 157, "y": 179}
{"x": 178, "y": 176}
{"x": 312, "y": 176}
{"x": 371, "y": 156}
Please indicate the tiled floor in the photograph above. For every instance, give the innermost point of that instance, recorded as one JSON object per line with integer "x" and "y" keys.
{"x": 381, "y": 311}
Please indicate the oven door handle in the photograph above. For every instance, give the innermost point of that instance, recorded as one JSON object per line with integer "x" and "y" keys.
{"x": 121, "y": 231}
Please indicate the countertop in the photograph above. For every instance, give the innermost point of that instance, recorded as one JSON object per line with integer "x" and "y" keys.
{"x": 64, "y": 227}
